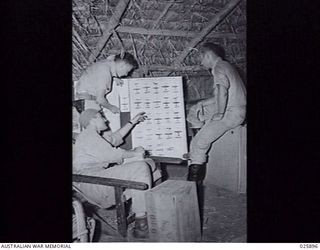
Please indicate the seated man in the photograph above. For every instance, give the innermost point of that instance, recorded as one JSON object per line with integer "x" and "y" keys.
{"x": 96, "y": 150}
{"x": 215, "y": 116}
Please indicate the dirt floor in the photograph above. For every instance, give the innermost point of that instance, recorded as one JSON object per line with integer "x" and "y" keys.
{"x": 224, "y": 214}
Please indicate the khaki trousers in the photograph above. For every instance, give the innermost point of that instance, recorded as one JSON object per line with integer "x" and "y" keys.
{"x": 212, "y": 130}
{"x": 103, "y": 196}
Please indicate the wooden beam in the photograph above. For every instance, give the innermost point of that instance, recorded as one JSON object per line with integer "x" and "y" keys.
{"x": 177, "y": 33}
{"x": 213, "y": 23}
{"x": 107, "y": 32}
{"x": 156, "y": 67}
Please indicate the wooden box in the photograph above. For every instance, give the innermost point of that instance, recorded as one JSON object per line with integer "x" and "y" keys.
{"x": 173, "y": 212}
{"x": 227, "y": 164}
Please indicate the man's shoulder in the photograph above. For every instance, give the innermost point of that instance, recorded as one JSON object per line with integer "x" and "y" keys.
{"x": 224, "y": 67}
{"x": 85, "y": 134}
{"x": 223, "y": 63}
{"x": 97, "y": 68}
{"x": 102, "y": 65}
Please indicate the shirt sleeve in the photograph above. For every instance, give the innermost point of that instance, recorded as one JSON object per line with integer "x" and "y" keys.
{"x": 221, "y": 78}
{"x": 114, "y": 139}
{"x": 112, "y": 155}
{"x": 103, "y": 151}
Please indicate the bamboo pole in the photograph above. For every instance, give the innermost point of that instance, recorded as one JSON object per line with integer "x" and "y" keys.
{"x": 156, "y": 67}
{"x": 120, "y": 41}
{"x": 112, "y": 24}
{"x": 177, "y": 33}
{"x": 135, "y": 50}
{"x": 213, "y": 23}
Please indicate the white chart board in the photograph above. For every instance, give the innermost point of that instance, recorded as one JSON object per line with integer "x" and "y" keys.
{"x": 164, "y": 132}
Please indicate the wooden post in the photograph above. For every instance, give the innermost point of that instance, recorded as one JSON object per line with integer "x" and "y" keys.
{"x": 121, "y": 212}
{"x": 213, "y": 23}
{"x": 112, "y": 24}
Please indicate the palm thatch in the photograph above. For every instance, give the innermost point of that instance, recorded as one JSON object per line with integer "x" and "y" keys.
{"x": 162, "y": 34}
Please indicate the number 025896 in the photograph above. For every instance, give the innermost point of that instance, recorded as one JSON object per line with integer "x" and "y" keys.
{"x": 308, "y": 245}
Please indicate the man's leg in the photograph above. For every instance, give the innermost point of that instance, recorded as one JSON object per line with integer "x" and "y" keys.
{"x": 201, "y": 143}
{"x": 137, "y": 171}
{"x": 193, "y": 118}
{"x": 199, "y": 147}
{"x": 197, "y": 121}
{"x": 133, "y": 171}
{"x": 104, "y": 195}
{"x": 208, "y": 134}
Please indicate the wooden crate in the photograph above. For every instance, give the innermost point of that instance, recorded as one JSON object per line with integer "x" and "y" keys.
{"x": 227, "y": 165}
{"x": 173, "y": 212}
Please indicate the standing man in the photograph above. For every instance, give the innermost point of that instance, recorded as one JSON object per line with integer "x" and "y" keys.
{"x": 97, "y": 80}
{"x": 215, "y": 116}
{"x": 96, "y": 153}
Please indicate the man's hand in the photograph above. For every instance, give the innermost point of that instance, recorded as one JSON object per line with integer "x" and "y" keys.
{"x": 199, "y": 108}
{"x": 114, "y": 109}
{"x": 139, "y": 118}
{"x": 217, "y": 117}
{"x": 200, "y": 111}
{"x": 119, "y": 82}
{"x": 139, "y": 151}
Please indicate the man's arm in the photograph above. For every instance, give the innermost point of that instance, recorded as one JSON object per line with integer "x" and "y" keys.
{"x": 116, "y": 138}
{"x": 104, "y": 86}
{"x": 126, "y": 128}
{"x": 102, "y": 100}
{"x": 221, "y": 94}
{"x": 137, "y": 152}
{"x": 208, "y": 101}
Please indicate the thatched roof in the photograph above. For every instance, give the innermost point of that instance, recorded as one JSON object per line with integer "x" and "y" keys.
{"x": 160, "y": 33}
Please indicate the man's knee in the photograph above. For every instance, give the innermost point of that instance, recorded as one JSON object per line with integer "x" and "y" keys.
{"x": 234, "y": 119}
{"x": 200, "y": 141}
{"x": 141, "y": 167}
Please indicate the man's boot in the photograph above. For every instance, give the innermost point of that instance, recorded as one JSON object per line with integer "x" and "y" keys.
{"x": 141, "y": 229}
{"x": 196, "y": 172}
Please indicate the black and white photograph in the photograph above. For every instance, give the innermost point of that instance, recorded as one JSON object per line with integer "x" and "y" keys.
{"x": 159, "y": 121}
{"x": 146, "y": 123}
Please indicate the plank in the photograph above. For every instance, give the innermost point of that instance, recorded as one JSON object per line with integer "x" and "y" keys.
{"x": 109, "y": 182}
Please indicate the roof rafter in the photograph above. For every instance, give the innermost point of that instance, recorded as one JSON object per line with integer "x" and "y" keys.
{"x": 108, "y": 31}
{"x": 213, "y": 23}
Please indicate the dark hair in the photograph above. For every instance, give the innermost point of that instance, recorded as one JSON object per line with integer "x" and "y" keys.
{"x": 218, "y": 50}
{"x": 128, "y": 58}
